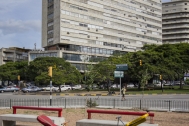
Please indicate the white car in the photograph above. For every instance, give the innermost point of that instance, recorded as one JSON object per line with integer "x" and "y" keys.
{"x": 130, "y": 85}
{"x": 63, "y": 88}
{"x": 76, "y": 87}
{"x": 48, "y": 88}
{"x": 115, "y": 86}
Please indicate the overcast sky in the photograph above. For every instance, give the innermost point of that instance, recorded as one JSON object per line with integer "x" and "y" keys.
{"x": 20, "y": 23}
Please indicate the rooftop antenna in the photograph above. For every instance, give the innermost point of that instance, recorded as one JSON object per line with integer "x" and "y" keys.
{"x": 35, "y": 46}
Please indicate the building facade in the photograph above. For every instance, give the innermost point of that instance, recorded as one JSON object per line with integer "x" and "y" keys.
{"x": 92, "y": 30}
{"x": 13, "y": 54}
{"x": 175, "y": 21}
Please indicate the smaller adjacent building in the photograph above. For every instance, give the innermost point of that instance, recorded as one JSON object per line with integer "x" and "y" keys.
{"x": 175, "y": 21}
{"x": 77, "y": 59}
{"x": 13, "y": 54}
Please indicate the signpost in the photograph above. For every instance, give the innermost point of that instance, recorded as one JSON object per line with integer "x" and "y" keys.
{"x": 119, "y": 74}
{"x": 121, "y": 67}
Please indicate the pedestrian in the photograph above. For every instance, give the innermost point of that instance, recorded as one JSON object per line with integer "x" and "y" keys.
{"x": 123, "y": 90}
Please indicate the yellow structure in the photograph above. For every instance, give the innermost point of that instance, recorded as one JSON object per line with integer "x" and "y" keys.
{"x": 140, "y": 62}
{"x": 138, "y": 121}
{"x": 160, "y": 77}
{"x": 50, "y": 71}
{"x": 18, "y": 77}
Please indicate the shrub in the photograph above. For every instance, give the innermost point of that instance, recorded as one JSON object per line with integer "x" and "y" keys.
{"x": 91, "y": 103}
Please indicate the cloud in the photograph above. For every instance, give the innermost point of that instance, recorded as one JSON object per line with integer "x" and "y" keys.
{"x": 19, "y": 26}
{"x": 7, "y": 4}
{"x": 166, "y": 1}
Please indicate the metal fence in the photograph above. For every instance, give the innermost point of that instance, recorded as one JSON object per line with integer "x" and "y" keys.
{"x": 166, "y": 105}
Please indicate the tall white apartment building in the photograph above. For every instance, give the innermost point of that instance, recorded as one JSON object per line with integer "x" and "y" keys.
{"x": 175, "y": 21}
{"x": 92, "y": 30}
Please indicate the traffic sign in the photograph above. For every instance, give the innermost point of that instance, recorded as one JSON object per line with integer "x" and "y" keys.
{"x": 119, "y": 74}
{"x": 121, "y": 67}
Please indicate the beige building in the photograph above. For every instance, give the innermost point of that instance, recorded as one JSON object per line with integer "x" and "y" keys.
{"x": 13, "y": 54}
{"x": 175, "y": 21}
{"x": 92, "y": 30}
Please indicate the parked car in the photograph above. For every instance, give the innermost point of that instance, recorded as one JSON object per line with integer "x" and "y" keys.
{"x": 178, "y": 82}
{"x": 168, "y": 83}
{"x": 102, "y": 86}
{"x": 93, "y": 86}
{"x": 157, "y": 84}
{"x": 130, "y": 85}
{"x": 63, "y": 88}
{"x": 115, "y": 86}
{"x": 9, "y": 89}
{"x": 31, "y": 89}
{"x": 48, "y": 87}
{"x": 77, "y": 86}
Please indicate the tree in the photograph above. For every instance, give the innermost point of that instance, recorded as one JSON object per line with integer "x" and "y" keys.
{"x": 90, "y": 76}
{"x": 62, "y": 71}
{"x": 8, "y": 72}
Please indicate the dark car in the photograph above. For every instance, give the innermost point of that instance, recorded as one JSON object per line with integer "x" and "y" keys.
{"x": 9, "y": 89}
{"x": 31, "y": 89}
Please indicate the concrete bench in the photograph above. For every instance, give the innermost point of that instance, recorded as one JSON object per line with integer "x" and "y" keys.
{"x": 10, "y": 119}
{"x": 94, "y": 122}
{"x": 90, "y": 111}
{"x": 59, "y": 110}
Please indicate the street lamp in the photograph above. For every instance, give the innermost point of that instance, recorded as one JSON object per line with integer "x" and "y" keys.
{"x": 84, "y": 58}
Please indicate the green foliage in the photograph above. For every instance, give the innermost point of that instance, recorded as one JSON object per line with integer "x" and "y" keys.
{"x": 169, "y": 60}
{"x": 89, "y": 76}
{"x": 63, "y": 72}
{"x": 37, "y": 70}
{"x": 9, "y": 71}
{"x": 187, "y": 81}
{"x": 91, "y": 103}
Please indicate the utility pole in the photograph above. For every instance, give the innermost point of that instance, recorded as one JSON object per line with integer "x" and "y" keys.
{"x": 50, "y": 75}
{"x": 160, "y": 77}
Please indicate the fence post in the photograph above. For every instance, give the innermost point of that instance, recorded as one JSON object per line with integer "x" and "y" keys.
{"x": 90, "y": 102}
{"x": 114, "y": 103}
{"x": 10, "y": 104}
{"x": 65, "y": 102}
{"x": 169, "y": 105}
{"x": 140, "y": 104}
{"x": 38, "y": 102}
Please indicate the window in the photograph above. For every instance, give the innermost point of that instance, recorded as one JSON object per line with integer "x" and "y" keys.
{"x": 50, "y": 15}
{"x": 50, "y": 24}
{"x": 49, "y": 1}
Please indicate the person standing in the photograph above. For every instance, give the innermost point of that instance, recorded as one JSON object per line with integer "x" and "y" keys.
{"x": 123, "y": 93}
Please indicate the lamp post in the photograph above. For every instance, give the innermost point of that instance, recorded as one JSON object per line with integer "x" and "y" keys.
{"x": 84, "y": 58}
{"x": 160, "y": 77}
